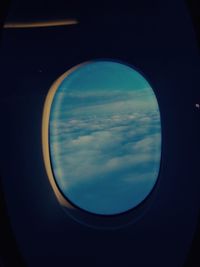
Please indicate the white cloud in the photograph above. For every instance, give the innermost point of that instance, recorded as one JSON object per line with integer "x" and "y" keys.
{"x": 110, "y": 145}
{"x": 105, "y": 134}
{"x": 83, "y": 140}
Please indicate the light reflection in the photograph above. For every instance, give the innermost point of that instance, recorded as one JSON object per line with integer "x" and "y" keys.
{"x": 40, "y": 24}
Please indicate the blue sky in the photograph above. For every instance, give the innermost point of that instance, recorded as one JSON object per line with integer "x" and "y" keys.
{"x": 105, "y": 137}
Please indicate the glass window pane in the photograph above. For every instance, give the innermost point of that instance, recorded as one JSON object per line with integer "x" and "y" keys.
{"x": 104, "y": 137}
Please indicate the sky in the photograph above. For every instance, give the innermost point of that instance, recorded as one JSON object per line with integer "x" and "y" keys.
{"x": 105, "y": 137}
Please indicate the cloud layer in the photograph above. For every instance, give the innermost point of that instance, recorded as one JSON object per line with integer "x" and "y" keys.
{"x": 105, "y": 148}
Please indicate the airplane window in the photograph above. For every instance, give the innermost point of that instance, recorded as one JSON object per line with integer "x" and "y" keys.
{"x": 102, "y": 137}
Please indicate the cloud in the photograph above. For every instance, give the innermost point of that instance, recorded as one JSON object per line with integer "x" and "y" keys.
{"x": 83, "y": 140}
{"x": 107, "y": 101}
{"x": 113, "y": 146}
{"x": 110, "y": 147}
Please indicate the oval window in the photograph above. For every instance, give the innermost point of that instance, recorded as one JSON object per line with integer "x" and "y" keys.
{"x": 102, "y": 137}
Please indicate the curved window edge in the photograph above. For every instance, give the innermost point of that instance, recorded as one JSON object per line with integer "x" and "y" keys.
{"x": 97, "y": 221}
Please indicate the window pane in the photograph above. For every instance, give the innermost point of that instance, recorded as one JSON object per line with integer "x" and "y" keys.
{"x": 105, "y": 137}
